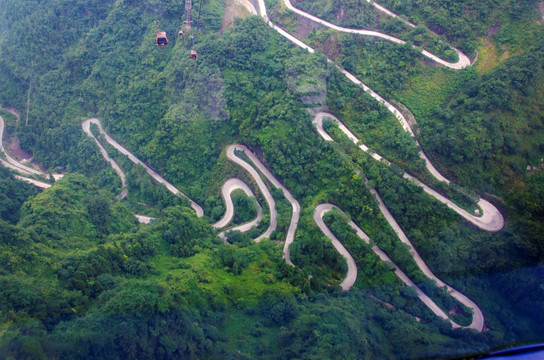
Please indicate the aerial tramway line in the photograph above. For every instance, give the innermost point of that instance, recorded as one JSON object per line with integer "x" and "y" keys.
{"x": 162, "y": 40}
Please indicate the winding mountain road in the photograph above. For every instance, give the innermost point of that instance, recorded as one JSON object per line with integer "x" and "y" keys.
{"x": 38, "y": 184}
{"x": 491, "y": 219}
{"x": 463, "y": 61}
{"x": 231, "y": 155}
{"x": 234, "y": 183}
{"x": 477, "y": 317}
{"x": 226, "y": 190}
{"x": 351, "y": 275}
{"x": 86, "y": 125}
{"x": 290, "y": 236}
{"x": 437, "y": 175}
{"x": 11, "y": 162}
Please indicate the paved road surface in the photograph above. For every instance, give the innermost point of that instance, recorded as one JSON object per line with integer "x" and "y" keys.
{"x": 86, "y": 127}
{"x": 351, "y": 275}
{"x": 144, "y": 219}
{"x": 463, "y": 61}
{"x": 226, "y": 190}
{"x": 477, "y": 319}
{"x": 402, "y": 121}
{"x": 491, "y": 219}
{"x": 290, "y": 236}
{"x": 231, "y": 155}
{"x": 39, "y": 184}
{"x": 14, "y": 164}
{"x": 485, "y": 220}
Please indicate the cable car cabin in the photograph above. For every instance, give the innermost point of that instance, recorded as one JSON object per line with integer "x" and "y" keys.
{"x": 162, "y": 40}
{"x": 193, "y": 54}
{"x": 180, "y": 33}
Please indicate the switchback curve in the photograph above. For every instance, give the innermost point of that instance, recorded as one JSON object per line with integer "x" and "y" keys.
{"x": 351, "y": 276}
{"x": 353, "y": 78}
{"x": 226, "y": 190}
{"x": 290, "y": 236}
{"x": 86, "y": 127}
{"x": 463, "y": 61}
{"x": 477, "y": 316}
{"x": 262, "y": 9}
{"x": 11, "y": 162}
{"x": 491, "y": 219}
{"x": 231, "y": 155}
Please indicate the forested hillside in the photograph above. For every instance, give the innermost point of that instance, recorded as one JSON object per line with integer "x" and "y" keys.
{"x": 82, "y": 278}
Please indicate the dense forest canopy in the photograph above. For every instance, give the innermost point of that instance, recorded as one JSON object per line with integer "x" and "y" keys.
{"x": 80, "y": 277}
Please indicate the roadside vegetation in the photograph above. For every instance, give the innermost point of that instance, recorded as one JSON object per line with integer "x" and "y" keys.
{"x": 80, "y": 277}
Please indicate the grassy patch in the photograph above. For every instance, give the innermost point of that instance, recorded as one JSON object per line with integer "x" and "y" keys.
{"x": 489, "y": 58}
{"x": 428, "y": 90}
{"x": 513, "y": 38}
{"x": 519, "y": 36}
{"x": 202, "y": 278}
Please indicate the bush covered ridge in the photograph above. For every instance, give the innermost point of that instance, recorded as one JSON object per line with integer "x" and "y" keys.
{"x": 80, "y": 278}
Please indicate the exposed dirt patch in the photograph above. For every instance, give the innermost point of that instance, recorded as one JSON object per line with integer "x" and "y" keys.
{"x": 331, "y": 47}
{"x": 15, "y": 150}
{"x": 494, "y": 197}
{"x": 233, "y": 9}
{"x": 458, "y": 310}
{"x": 489, "y": 57}
{"x": 437, "y": 29}
{"x": 541, "y": 10}
{"x": 492, "y": 31}
{"x": 386, "y": 304}
{"x": 12, "y": 143}
{"x": 341, "y": 15}
{"x": 305, "y": 26}
{"x": 390, "y": 306}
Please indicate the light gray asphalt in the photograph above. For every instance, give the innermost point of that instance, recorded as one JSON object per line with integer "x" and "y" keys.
{"x": 86, "y": 127}
{"x": 15, "y": 165}
{"x": 351, "y": 275}
{"x": 491, "y": 218}
{"x": 226, "y": 190}
{"x": 477, "y": 318}
{"x": 290, "y": 236}
{"x": 463, "y": 61}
